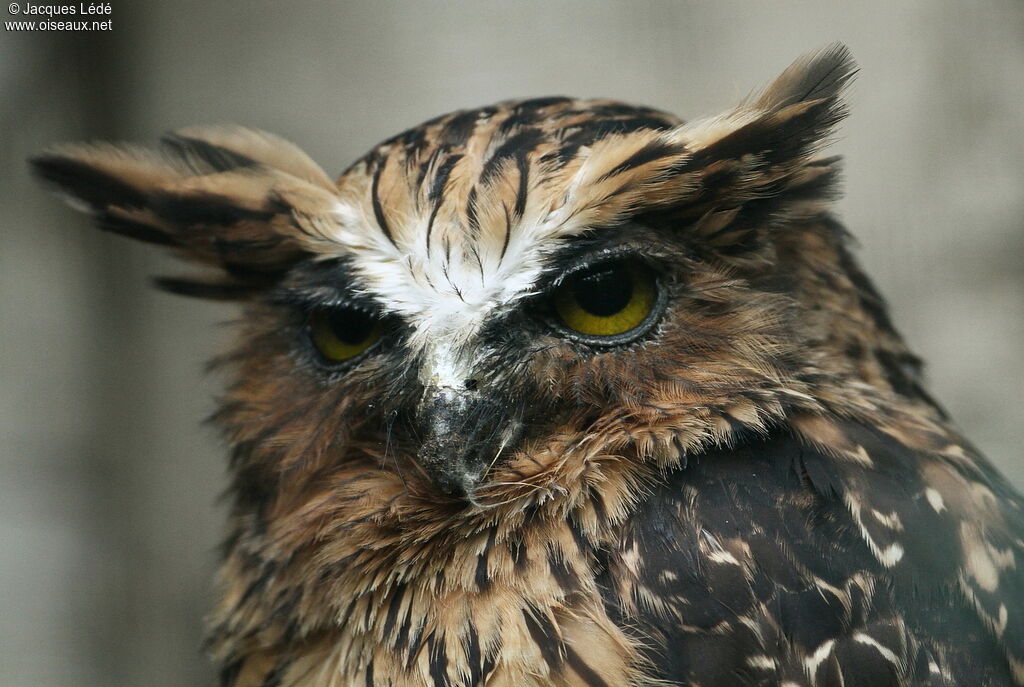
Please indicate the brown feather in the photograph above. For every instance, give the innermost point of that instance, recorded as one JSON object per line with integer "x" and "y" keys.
{"x": 756, "y": 490}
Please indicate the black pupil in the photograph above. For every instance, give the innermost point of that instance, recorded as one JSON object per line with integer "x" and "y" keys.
{"x": 604, "y": 290}
{"x": 352, "y": 327}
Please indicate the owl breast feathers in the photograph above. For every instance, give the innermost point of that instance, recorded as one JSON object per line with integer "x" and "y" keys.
{"x": 569, "y": 392}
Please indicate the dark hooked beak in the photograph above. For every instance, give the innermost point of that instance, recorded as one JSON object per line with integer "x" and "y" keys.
{"x": 463, "y": 433}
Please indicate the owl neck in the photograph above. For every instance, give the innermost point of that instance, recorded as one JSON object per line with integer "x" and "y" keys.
{"x": 353, "y": 570}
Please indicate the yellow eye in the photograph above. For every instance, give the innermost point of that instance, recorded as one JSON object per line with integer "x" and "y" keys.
{"x": 607, "y": 302}
{"x": 340, "y": 334}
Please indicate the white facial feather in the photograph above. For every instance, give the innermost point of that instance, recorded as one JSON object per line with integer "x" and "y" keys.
{"x": 445, "y": 298}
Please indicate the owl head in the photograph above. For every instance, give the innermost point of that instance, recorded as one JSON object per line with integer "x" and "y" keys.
{"x": 514, "y": 303}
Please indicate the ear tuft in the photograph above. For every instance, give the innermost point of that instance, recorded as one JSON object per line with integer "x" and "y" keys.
{"x": 818, "y": 76}
{"x": 237, "y": 199}
{"x": 757, "y": 167}
{"x": 785, "y": 123}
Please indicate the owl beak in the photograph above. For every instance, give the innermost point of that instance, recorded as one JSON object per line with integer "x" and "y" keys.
{"x": 462, "y": 434}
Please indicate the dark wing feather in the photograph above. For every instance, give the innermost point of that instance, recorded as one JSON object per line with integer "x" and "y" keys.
{"x": 748, "y": 568}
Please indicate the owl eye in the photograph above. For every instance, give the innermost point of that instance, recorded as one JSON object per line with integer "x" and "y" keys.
{"x": 341, "y": 334}
{"x": 607, "y": 303}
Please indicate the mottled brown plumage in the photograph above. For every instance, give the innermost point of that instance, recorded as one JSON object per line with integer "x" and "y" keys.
{"x": 750, "y": 487}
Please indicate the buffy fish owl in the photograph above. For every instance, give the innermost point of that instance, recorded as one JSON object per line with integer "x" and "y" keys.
{"x": 563, "y": 392}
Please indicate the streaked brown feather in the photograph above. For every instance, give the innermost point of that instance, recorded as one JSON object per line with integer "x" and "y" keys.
{"x": 761, "y": 492}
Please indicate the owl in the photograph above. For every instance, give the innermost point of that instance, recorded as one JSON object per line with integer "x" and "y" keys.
{"x": 564, "y": 392}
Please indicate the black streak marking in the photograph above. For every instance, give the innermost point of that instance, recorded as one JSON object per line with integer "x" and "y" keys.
{"x": 459, "y": 128}
{"x": 402, "y": 638}
{"x": 430, "y": 164}
{"x": 518, "y": 120}
{"x": 412, "y": 140}
{"x": 479, "y": 262}
{"x": 540, "y": 103}
{"x": 776, "y": 141}
{"x": 483, "y": 581}
{"x": 660, "y": 119}
{"x": 516, "y": 146}
{"x": 589, "y": 133}
{"x": 393, "y": 608}
{"x": 205, "y": 208}
{"x": 474, "y": 657}
{"x": 524, "y": 170}
{"x": 438, "y": 661}
{"x": 430, "y": 227}
{"x": 218, "y": 158}
{"x": 579, "y": 536}
{"x": 654, "y": 150}
{"x": 276, "y": 675}
{"x": 134, "y": 230}
{"x": 378, "y": 210}
{"x": 414, "y": 647}
{"x": 560, "y": 571}
{"x": 583, "y": 670}
{"x": 436, "y": 193}
{"x": 471, "y": 218}
{"x": 508, "y": 232}
{"x": 86, "y": 182}
{"x": 199, "y": 289}
{"x": 544, "y": 635}
{"x": 230, "y": 672}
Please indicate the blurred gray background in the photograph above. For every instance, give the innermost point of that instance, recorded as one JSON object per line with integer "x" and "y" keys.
{"x": 108, "y": 484}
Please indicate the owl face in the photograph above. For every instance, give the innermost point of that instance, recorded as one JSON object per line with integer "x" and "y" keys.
{"x": 488, "y": 305}
{"x": 615, "y": 329}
